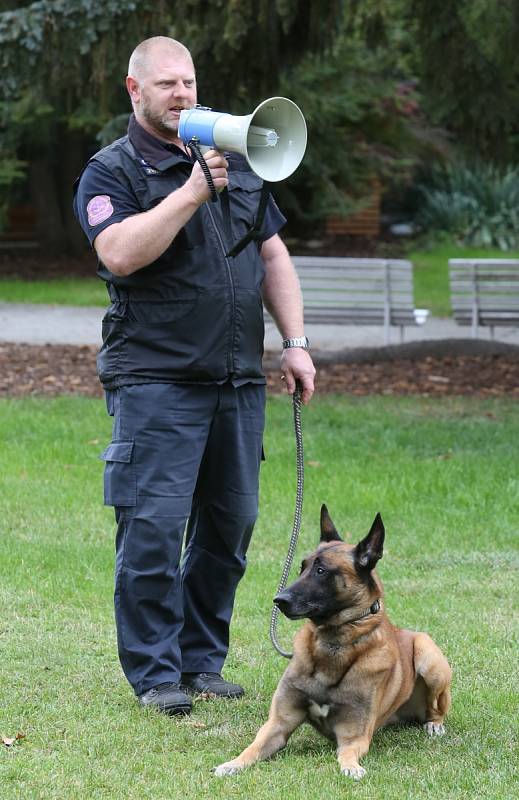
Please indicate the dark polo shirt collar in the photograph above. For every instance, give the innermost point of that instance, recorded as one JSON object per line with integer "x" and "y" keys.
{"x": 156, "y": 153}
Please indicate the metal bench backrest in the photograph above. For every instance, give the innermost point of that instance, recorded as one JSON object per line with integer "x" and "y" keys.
{"x": 356, "y": 290}
{"x": 485, "y": 292}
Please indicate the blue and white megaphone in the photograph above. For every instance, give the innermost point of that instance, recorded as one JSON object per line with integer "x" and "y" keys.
{"x": 272, "y": 138}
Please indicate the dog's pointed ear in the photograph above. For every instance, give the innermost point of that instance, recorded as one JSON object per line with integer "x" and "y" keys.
{"x": 370, "y": 549}
{"x": 328, "y": 529}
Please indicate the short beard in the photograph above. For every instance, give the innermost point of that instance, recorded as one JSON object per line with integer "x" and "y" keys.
{"x": 158, "y": 124}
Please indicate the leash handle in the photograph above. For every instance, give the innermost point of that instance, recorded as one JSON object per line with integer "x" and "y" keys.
{"x": 297, "y": 403}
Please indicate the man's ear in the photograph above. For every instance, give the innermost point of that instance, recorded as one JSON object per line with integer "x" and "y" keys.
{"x": 328, "y": 529}
{"x": 370, "y": 549}
{"x": 133, "y": 89}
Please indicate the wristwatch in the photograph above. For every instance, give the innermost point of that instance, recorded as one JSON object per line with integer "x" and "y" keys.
{"x": 300, "y": 341}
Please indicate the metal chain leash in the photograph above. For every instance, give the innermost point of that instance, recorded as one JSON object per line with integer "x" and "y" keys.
{"x": 296, "y": 400}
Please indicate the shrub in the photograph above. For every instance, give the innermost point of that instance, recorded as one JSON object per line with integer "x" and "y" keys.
{"x": 479, "y": 206}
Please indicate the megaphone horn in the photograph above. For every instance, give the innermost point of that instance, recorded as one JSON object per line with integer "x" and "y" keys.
{"x": 272, "y": 138}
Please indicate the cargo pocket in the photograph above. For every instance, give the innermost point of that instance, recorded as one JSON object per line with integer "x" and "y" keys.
{"x": 120, "y": 478}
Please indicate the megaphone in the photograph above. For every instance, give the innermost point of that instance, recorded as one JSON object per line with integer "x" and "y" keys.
{"x": 272, "y": 138}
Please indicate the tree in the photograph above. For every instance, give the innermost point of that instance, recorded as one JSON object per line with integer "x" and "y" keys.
{"x": 469, "y": 73}
{"x": 241, "y": 47}
{"x": 361, "y": 113}
{"x": 64, "y": 61}
{"x": 63, "y": 67}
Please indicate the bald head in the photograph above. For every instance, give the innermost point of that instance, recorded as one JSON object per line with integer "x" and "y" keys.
{"x": 150, "y": 49}
{"x": 161, "y": 83}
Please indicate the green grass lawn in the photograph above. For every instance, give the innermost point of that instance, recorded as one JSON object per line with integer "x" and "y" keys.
{"x": 431, "y": 282}
{"x": 431, "y": 273}
{"x": 444, "y": 475}
{"x": 60, "y": 291}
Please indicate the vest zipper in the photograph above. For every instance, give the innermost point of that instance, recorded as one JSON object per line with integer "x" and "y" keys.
{"x": 230, "y": 359}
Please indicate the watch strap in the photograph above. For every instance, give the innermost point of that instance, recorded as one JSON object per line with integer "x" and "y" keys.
{"x": 299, "y": 341}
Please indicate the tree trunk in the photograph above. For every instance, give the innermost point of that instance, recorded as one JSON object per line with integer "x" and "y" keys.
{"x": 51, "y": 193}
{"x": 49, "y": 224}
{"x": 74, "y": 152}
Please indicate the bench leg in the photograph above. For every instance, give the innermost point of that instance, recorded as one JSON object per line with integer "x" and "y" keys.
{"x": 474, "y": 325}
{"x": 387, "y": 335}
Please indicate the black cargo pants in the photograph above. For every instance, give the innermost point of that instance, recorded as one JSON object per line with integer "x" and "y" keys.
{"x": 180, "y": 453}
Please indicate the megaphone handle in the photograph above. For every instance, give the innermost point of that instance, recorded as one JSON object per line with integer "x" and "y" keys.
{"x": 193, "y": 145}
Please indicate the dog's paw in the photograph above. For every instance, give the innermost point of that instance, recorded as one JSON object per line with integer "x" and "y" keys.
{"x": 357, "y": 772}
{"x": 229, "y": 768}
{"x": 434, "y": 729}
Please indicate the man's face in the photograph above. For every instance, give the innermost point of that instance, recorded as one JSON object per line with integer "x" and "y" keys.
{"x": 168, "y": 86}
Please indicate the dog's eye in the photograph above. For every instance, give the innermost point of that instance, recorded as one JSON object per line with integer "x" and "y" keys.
{"x": 320, "y": 571}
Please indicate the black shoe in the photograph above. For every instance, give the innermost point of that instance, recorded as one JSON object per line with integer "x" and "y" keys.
{"x": 168, "y": 698}
{"x": 209, "y": 683}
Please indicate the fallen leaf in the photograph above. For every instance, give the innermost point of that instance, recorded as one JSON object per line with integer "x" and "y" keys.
{"x": 8, "y": 741}
{"x": 206, "y": 696}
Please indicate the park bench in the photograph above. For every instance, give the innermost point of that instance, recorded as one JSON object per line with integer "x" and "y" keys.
{"x": 358, "y": 291}
{"x": 485, "y": 292}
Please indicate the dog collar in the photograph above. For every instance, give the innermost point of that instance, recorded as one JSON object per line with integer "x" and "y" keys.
{"x": 373, "y": 609}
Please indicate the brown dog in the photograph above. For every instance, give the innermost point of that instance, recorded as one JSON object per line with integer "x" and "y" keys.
{"x": 352, "y": 670}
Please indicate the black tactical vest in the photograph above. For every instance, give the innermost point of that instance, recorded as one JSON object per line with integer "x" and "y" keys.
{"x": 193, "y": 315}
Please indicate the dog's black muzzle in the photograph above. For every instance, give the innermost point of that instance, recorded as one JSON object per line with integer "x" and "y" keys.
{"x": 293, "y": 606}
{"x": 282, "y": 600}
{"x": 287, "y": 606}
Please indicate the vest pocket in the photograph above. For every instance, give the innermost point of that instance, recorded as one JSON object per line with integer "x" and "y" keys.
{"x": 120, "y": 478}
{"x": 244, "y": 197}
{"x": 150, "y": 312}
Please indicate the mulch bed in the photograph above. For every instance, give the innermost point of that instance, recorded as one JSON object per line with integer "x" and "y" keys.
{"x": 35, "y": 265}
{"x": 50, "y": 370}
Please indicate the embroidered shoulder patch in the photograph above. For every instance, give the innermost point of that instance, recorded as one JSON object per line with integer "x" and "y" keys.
{"x": 99, "y": 208}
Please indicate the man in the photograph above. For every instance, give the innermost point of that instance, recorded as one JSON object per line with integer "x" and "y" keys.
{"x": 181, "y": 367}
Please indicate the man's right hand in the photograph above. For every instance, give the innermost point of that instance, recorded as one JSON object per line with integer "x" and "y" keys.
{"x": 139, "y": 240}
{"x": 197, "y": 183}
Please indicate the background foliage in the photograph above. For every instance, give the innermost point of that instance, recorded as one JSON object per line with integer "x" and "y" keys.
{"x": 384, "y": 85}
{"x": 476, "y": 206}
{"x": 469, "y": 73}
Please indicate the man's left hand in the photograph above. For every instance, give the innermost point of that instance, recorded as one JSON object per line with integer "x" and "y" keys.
{"x": 297, "y": 365}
